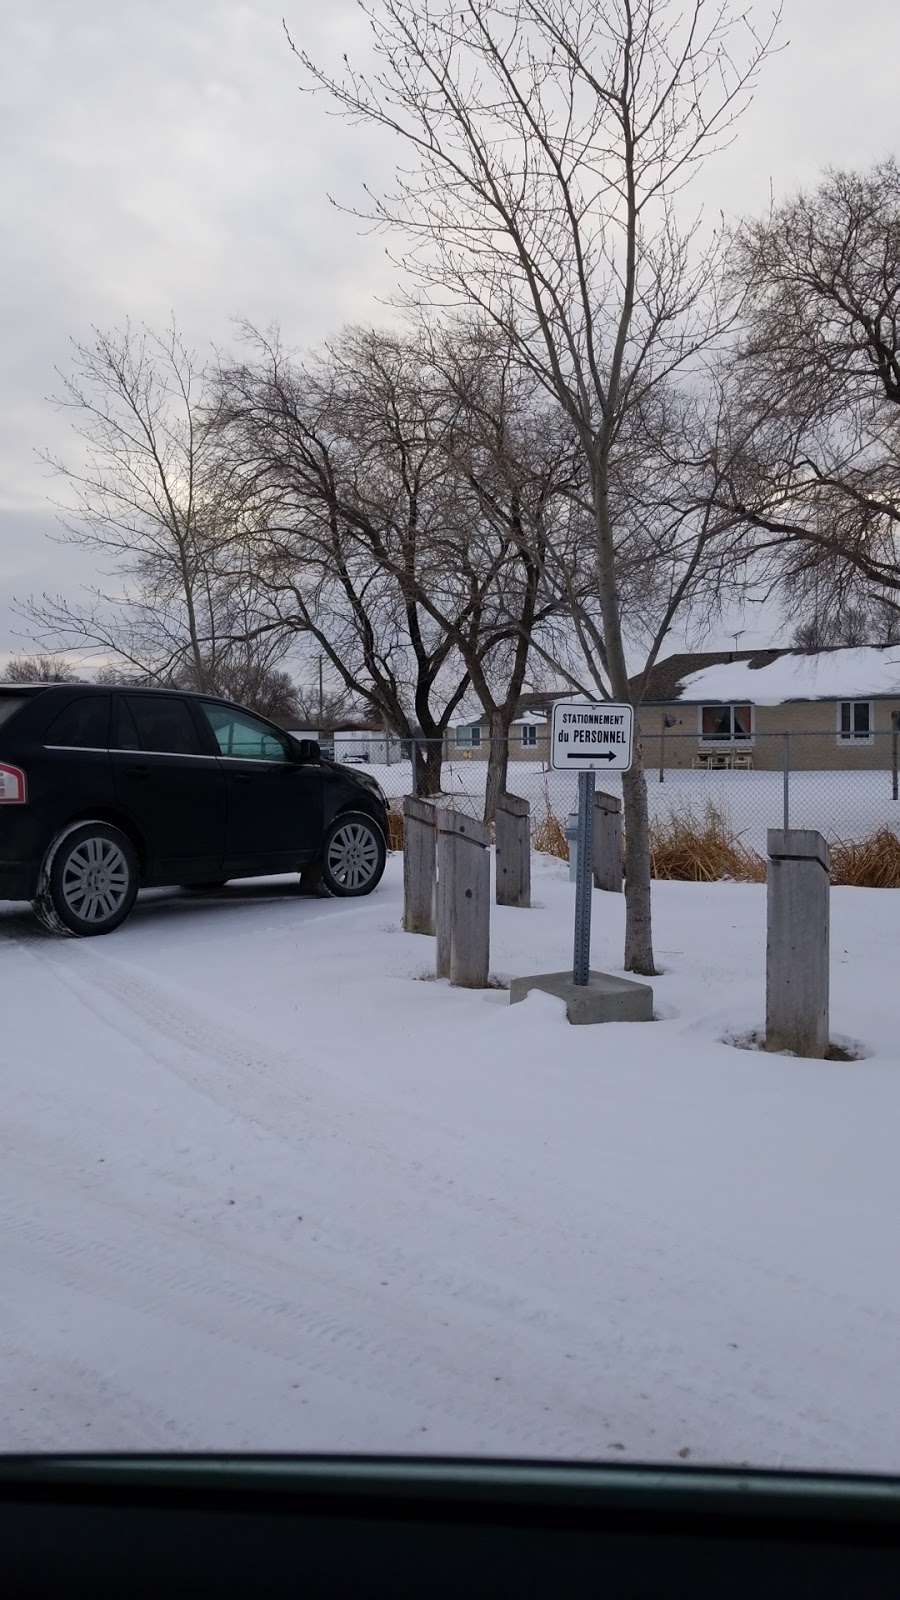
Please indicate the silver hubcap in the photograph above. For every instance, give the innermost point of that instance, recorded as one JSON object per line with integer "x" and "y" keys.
{"x": 95, "y": 880}
{"x": 353, "y": 856}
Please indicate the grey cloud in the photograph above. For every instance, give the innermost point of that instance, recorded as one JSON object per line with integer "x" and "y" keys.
{"x": 157, "y": 157}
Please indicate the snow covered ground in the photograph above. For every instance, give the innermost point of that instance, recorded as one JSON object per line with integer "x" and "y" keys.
{"x": 842, "y": 805}
{"x": 262, "y": 1187}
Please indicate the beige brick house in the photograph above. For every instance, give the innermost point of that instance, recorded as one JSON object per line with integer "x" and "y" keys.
{"x": 467, "y": 739}
{"x": 733, "y": 708}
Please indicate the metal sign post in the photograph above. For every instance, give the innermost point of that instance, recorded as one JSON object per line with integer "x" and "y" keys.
{"x": 587, "y": 738}
{"x": 581, "y": 960}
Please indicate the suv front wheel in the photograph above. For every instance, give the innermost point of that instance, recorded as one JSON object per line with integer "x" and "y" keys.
{"x": 353, "y": 855}
{"x": 89, "y": 881}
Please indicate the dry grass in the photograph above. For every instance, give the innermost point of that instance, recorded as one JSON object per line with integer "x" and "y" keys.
{"x": 704, "y": 849}
{"x": 700, "y": 847}
{"x": 395, "y": 829}
{"x": 872, "y": 863}
{"x": 549, "y": 834}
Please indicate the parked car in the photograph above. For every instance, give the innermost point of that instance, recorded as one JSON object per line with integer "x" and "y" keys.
{"x": 105, "y": 791}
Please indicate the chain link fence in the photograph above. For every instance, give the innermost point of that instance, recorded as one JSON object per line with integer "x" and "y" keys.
{"x": 847, "y": 789}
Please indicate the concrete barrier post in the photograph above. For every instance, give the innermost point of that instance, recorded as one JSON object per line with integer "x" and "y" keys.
{"x": 607, "y": 842}
{"x": 513, "y": 835}
{"x": 419, "y": 863}
{"x": 463, "y": 899}
{"x": 797, "y": 942}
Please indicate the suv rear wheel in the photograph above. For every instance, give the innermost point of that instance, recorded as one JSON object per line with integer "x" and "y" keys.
{"x": 353, "y": 855}
{"x": 89, "y": 881}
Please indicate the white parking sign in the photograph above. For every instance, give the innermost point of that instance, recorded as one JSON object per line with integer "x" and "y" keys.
{"x": 591, "y": 738}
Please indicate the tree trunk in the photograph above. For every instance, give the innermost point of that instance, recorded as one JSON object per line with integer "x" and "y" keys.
{"x": 638, "y": 930}
{"x": 638, "y": 924}
{"x": 429, "y": 761}
{"x": 498, "y": 762}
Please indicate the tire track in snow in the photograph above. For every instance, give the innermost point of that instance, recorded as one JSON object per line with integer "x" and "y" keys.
{"x": 397, "y": 1361}
{"x": 394, "y": 1361}
{"x": 58, "y": 1383}
{"x": 669, "y": 1259}
{"x": 194, "y": 1048}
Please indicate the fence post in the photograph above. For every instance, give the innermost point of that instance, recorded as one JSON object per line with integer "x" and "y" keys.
{"x": 895, "y": 729}
{"x": 607, "y": 842}
{"x": 513, "y": 834}
{"x": 418, "y": 864}
{"x": 786, "y": 776}
{"x": 571, "y": 831}
{"x": 797, "y": 940}
{"x": 463, "y": 899}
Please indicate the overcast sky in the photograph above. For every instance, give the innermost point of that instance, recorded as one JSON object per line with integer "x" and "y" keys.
{"x": 156, "y": 157}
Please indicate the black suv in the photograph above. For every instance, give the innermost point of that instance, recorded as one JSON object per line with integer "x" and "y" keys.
{"x": 105, "y": 791}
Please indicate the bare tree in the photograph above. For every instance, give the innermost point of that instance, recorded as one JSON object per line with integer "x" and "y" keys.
{"x": 336, "y": 708}
{"x": 383, "y": 527}
{"x": 251, "y": 675}
{"x": 512, "y": 466}
{"x": 143, "y": 497}
{"x": 340, "y": 461}
{"x": 549, "y": 141}
{"x": 39, "y": 669}
{"x": 850, "y": 627}
{"x": 818, "y": 372}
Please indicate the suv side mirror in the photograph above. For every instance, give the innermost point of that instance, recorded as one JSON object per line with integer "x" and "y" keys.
{"x": 308, "y": 749}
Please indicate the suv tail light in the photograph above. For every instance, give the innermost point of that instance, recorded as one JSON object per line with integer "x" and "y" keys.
{"x": 12, "y": 786}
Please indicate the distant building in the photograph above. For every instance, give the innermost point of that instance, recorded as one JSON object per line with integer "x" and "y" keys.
{"x": 528, "y": 736}
{"x": 725, "y": 707}
{"x": 367, "y": 746}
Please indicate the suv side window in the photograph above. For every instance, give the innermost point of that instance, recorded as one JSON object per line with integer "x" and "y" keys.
{"x": 82, "y": 725}
{"x": 157, "y": 722}
{"x": 243, "y": 736}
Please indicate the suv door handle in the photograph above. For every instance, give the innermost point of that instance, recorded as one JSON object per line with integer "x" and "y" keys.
{"x": 138, "y": 772}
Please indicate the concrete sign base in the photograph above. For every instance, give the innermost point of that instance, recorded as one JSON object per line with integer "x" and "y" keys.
{"x": 604, "y": 998}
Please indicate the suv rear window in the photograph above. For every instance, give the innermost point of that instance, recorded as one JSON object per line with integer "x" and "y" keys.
{"x": 157, "y": 722}
{"x": 10, "y": 704}
{"x": 83, "y": 724}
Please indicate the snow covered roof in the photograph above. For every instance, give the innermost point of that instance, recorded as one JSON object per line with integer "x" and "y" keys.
{"x": 479, "y": 718}
{"x": 772, "y": 677}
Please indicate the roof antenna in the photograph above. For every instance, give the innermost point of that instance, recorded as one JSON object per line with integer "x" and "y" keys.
{"x": 735, "y": 636}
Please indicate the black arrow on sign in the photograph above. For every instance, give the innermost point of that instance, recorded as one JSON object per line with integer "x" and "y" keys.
{"x": 600, "y": 755}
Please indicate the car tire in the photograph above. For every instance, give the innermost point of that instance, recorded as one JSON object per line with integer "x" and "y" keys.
{"x": 354, "y": 852}
{"x": 89, "y": 881}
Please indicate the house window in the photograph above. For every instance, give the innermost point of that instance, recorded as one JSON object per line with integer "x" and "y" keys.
{"x": 529, "y": 735}
{"x": 468, "y": 737}
{"x": 855, "y": 722}
{"x": 726, "y": 724}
